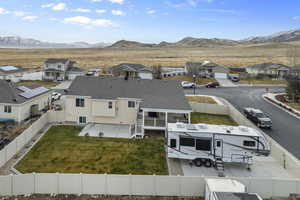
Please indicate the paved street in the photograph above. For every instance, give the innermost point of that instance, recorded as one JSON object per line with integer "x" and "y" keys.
{"x": 226, "y": 82}
{"x": 286, "y": 128}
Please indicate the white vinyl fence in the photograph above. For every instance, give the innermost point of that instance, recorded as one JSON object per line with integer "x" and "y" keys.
{"x": 103, "y": 184}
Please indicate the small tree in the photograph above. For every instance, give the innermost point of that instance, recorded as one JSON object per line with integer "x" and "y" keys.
{"x": 157, "y": 72}
{"x": 293, "y": 89}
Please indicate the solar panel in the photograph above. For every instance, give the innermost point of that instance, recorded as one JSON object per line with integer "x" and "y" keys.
{"x": 23, "y": 88}
{"x": 8, "y": 68}
{"x": 34, "y": 92}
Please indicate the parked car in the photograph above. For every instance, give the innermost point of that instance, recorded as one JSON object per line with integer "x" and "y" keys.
{"x": 55, "y": 96}
{"x": 212, "y": 85}
{"x": 4, "y": 142}
{"x": 261, "y": 119}
{"x": 186, "y": 84}
{"x": 234, "y": 77}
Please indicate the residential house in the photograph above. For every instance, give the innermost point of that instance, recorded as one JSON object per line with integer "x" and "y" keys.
{"x": 132, "y": 71}
{"x": 295, "y": 72}
{"x": 269, "y": 69}
{"x": 207, "y": 69}
{"x": 17, "y": 103}
{"x": 138, "y": 103}
{"x": 172, "y": 71}
{"x": 61, "y": 69}
{"x": 13, "y": 73}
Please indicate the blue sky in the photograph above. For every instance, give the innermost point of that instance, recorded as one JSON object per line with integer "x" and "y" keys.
{"x": 145, "y": 21}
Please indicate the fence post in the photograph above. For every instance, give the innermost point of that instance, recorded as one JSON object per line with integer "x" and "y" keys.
{"x": 34, "y": 182}
{"x": 154, "y": 185}
{"x": 130, "y": 184}
{"x": 57, "y": 182}
{"x": 12, "y": 184}
{"x": 179, "y": 185}
{"x": 81, "y": 183}
{"x": 105, "y": 184}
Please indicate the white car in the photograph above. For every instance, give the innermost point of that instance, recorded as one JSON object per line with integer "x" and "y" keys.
{"x": 186, "y": 84}
{"x": 55, "y": 96}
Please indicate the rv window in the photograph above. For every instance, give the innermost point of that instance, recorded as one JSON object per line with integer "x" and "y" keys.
{"x": 173, "y": 143}
{"x": 188, "y": 142}
{"x": 203, "y": 145}
{"x": 153, "y": 114}
{"x": 218, "y": 143}
{"x": 249, "y": 143}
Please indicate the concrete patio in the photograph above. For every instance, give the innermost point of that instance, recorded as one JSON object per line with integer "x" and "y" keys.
{"x": 106, "y": 130}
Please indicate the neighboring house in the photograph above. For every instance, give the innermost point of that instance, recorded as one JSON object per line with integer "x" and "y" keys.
{"x": 172, "y": 71}
{"x": 132, "y": 71}
{"x": 19, "y": 103}
{"x": 295, "y": 72}
{"x": 61, "y": 69}
{"x": 140, "y": 104}
{"x": 206, "y": 68}
{"x": 13, "y": 73}
{"x": 269, "y": 69}
{"x": 238, "y": 70}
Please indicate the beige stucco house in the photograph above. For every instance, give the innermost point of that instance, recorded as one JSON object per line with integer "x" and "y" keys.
{"x": 18, "y": 103}
{"x": 140, "y": 104}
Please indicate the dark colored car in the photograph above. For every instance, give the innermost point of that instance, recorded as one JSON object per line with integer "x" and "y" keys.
{"x": 212, "y": 85}
{"x": 4, "y": 142}
{"x": 259, "y": 118}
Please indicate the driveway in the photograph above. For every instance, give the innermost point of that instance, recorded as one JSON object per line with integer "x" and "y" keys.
{"x": 226, "y": 82}
{"x": 286, "y": 128}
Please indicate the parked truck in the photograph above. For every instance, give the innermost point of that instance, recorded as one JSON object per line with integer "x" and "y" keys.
{"x": 258, "y": 117}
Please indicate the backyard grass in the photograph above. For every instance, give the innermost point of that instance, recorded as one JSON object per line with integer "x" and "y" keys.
{"x": 62, "y": 150}
{"x": 42, "y": 83}
{"x": 199, "y": 81}
{"x": 212, "y": 119}
{"x": 262, "y": 81}
{"x": 295, "y": 105}
{"x": 201, "y": 99}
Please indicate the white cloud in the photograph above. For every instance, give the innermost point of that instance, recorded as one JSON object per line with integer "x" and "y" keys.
{"x": 88, "y": 22}
{"x": 49, "y": 5}
{"x": 19, "y": 13}
{"x": 83, "y": 10}
{"x": 3, "y": 11}
{"x": 100, "y": 11}
{"x": 151, "y": 12}
{"x": 296, "y": 18}
{"x": 194, "y": 3}
{"x": 59, "y": 6}
{"x": 30, "y": 18}
{"x": 117, "y": 1}
{"x": 96, "y": 0}
{"x": 118, "y": 12}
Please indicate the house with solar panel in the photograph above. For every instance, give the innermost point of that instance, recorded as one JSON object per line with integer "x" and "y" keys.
{"x": 61, "y": 70}
{"x": 13, "y": 73}
{"x": 18, "y": 103}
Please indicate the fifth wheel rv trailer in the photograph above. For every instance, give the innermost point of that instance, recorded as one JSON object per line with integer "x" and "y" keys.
{"x": 215, "y": 145}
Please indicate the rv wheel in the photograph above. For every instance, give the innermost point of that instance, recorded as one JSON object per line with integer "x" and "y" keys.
{"x": 208, "y": 163}
{"x": 197, "y": 162}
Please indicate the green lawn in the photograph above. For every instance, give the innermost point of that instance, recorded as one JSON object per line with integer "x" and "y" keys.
{"x": 212, "y": 119}
{"x": 199, "y": 81}
{"x": 295, "y": 105}
{"x": 256, "y": 81}
{"x": 62, "y": 150}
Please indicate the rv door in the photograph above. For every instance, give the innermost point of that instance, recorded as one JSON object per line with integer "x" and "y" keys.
{"x": 219, "y": 148}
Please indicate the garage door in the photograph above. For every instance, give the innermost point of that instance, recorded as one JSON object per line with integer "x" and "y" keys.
{"x": 221, "y": 75}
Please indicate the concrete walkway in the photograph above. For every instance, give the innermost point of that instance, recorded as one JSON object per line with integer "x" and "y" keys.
{"x": 226, "y": 82}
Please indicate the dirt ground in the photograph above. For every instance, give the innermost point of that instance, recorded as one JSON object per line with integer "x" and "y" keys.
{"x": 241, "y": 55}
{"x": 94, "y": 197}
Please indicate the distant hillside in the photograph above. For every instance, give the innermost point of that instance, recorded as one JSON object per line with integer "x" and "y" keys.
{"x": 19, "y": 42}
{"x": 289, "y": 36}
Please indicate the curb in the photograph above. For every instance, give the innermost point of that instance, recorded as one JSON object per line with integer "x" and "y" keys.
{"x": 281, "y": 106}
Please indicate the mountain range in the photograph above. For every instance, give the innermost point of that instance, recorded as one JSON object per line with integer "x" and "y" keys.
{"x": 19, "y": 42}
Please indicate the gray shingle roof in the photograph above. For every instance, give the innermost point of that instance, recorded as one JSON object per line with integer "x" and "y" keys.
{"x": 264, "y": 66}
{"x": 56, "y": 60}
{"x": 158, "y": 94}
{"x": 131, "y": 67}
{"x": 9, "y": 93}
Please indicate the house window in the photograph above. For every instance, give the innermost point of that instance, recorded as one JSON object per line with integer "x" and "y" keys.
{"x": 59, "y": 66}
{"x": 82, "y": 120}
{"x": 203, "y": 145}
{"x": 173, "y": 143}
{"x": 110, "y": 105}
{"x": 79, "y": 102}
{"x": 153, "y": 114}
{"x": 247, "y": 143}
{"x": 7, "y": 109}
{"x": 187, "y": 142}
{"x": 131, "y": 104}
